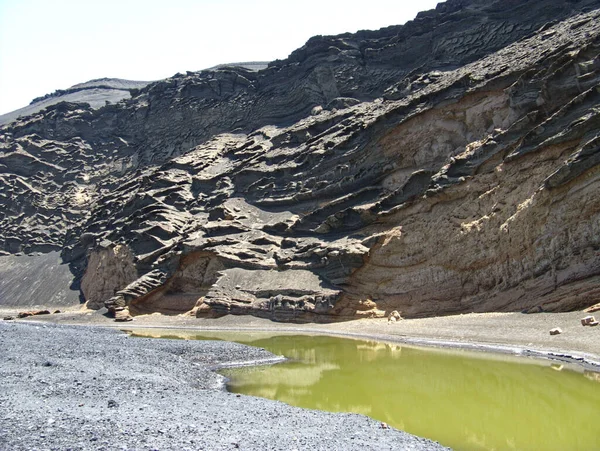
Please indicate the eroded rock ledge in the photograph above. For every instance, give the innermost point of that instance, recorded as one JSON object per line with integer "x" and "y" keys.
{"x": 357, "y": 177}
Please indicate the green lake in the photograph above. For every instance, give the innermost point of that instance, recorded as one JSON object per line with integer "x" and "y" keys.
{"x": 467, "y": 401}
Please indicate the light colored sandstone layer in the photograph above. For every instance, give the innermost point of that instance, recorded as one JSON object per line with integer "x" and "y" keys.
{"x": 108, "y": 270}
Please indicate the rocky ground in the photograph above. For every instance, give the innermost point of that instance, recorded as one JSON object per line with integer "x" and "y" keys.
{"x": 68, "y": 387}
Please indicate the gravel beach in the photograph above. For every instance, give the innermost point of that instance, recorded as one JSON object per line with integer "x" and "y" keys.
{"x": 84, "y": 388}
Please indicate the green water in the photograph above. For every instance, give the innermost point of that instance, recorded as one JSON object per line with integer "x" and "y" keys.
{"x": 468, "y": 401}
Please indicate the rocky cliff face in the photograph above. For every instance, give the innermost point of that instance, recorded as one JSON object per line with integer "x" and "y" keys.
{"x": 448, "y": 165}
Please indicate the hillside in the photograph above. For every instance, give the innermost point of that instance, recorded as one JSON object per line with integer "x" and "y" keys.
{"x": 96, "y": 93}
{"x": 448, "y": 165}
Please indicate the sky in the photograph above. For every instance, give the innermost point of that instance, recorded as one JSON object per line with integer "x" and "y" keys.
{"x": 53, "y": 44}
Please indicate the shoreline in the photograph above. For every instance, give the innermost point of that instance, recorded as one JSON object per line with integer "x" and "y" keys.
{"x": 70, "y": 387}
{"x": 147, "y": 376}
{"x": 586, "y": 361}
{"x": 521, "y": 336}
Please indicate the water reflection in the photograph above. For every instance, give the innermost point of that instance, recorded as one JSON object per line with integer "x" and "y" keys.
{"x": 592, "y": 376}
{"x": 292, "y": 375}
{"x": 462, "y": 400}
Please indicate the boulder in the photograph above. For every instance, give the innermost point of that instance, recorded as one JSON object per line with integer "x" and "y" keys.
{"x": 33, "y": 313}
{"x": 394, "y": 316}
{"x": 593, "y": 308}
{"x": 123, "y": 315}
{"x": 588, "y": 320}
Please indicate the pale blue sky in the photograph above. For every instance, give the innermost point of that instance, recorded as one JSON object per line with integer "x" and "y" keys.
{"x": 53, "y": 44}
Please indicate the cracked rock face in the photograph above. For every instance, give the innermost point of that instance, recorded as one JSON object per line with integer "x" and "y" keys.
{"x": 445, "y": 166}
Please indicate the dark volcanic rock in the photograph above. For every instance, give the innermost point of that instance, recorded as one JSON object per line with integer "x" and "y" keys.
{"x": 447, "y": 165}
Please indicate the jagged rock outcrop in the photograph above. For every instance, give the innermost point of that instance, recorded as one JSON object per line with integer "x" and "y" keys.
{"x": 448, "y": 165}
{"x": 108, "y": 271}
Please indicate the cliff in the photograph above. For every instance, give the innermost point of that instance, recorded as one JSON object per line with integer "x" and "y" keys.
{"x": 447, "y": 165}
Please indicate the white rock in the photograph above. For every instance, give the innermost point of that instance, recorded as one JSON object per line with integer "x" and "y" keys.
{"x": 587, "y": 320}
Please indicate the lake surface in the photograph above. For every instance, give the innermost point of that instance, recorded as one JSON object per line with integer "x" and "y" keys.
{"x": 468, "y": 401}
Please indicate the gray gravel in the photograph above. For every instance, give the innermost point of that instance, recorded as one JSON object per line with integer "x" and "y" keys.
{"x": 67, "y": 387}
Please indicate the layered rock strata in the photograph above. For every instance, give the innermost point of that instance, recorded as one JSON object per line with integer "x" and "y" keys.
{"x": 448, "y": 165}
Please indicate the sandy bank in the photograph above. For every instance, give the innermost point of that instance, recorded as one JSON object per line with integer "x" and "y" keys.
{"x": 513, "y": 333}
